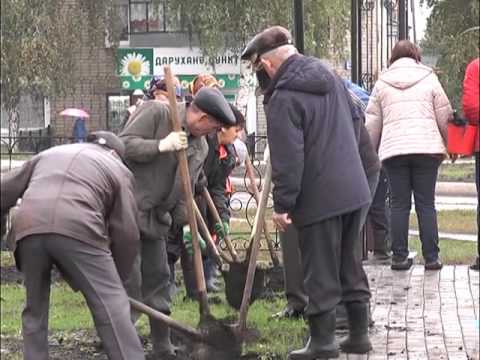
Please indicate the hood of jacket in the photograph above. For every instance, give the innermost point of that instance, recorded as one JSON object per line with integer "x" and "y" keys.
{"x": 303, "y": 74}
{"x": 396, "y": 77}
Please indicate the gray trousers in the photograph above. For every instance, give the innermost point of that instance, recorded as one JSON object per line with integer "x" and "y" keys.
{"x": 88, "y": 269}
{"x": 292, "y": 269}
{"x": 332, "y": 262}
{"x": 149, "y": 281}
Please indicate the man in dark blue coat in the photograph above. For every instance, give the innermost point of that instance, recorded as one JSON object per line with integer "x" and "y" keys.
{"x": 319, "y": 185}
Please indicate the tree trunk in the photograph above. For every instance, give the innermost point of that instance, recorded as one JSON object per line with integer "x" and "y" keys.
{"x": 13, "y": 129}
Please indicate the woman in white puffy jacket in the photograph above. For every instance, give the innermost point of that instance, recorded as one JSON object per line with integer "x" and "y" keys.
{"x": 407, "y": 118}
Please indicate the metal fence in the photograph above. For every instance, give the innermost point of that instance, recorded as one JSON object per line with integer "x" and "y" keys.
{"x": 14, "y": 149}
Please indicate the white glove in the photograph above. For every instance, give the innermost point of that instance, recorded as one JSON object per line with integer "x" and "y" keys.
{"x": 176, "y": 140}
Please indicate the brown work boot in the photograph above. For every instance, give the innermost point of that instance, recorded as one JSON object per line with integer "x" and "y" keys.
{"x": 357, "y": 342}
{"x": 321, "y": 343}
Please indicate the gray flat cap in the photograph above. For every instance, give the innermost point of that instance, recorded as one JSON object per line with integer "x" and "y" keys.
{"x": 269, "y": 39}
{"x": 212, "y": 102}
{"x": 109, "y": 140}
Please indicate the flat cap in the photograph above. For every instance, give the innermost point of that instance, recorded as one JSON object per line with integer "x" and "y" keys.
{"x": 269, "y": 39}
{"x": 212, "y": 102}
{"x": 109, "y": 140}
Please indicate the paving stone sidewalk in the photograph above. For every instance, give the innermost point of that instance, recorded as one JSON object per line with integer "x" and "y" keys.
{"x": 424, "y": 314}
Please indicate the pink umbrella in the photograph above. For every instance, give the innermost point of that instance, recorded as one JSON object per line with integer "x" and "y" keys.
{"x": 75, "y": 112}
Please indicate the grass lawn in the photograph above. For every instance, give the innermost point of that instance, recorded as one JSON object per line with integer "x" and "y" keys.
{"x": 449, "y": 221}
{"x": 452, "y": 221}
{"x": 68, "y": 312}
{"x": 457, "y": 172}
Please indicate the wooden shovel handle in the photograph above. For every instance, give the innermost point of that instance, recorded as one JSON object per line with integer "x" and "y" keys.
{"x": 167, "y": 320}
{"x": 255, "y": 246}
{"x": 256, "y": 194}
{"x": 217, "y": 254}
{"x": 183, "y": 164}
{"x": 216, "y": 218}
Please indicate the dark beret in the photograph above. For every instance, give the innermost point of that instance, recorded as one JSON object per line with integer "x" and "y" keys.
{"x": 212, "y": 102}
{"x": 269, "y": 39}
{"x": 109, "y": 140}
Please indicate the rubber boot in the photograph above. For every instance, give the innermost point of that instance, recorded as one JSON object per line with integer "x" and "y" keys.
{"x": 189, "y": 279}
{"x": 162, "y": 346}
{"x": 210, "y": 280}
{"x": 357, "y": 342}
{"x": 341, "y": 318}
{"x": 321, "y": 343}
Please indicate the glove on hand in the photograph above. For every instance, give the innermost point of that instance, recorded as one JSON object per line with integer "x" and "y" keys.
{"x": 176, "y": 140}
{"x": 222, "y": 230}
{"x": 187, "y": 241}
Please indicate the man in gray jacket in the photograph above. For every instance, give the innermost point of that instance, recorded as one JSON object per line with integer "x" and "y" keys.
{"x": 78, "y": 212}
{"x": 151, "y": 154}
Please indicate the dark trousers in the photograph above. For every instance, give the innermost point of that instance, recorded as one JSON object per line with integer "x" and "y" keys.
{"x": 88, "y": 269}
{"x": 377, "y": 215}
{"x": 332, "y": 262}
{"x": 418, "y": 174}
{"x": 292, "y": 268}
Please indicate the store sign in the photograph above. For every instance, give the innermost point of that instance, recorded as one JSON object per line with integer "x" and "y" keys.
{"x": 190, "y": 61}
{"x": 136, "y": 66}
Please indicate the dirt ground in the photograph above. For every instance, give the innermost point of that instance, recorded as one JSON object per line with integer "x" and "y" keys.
{"x": 85, "y": 344}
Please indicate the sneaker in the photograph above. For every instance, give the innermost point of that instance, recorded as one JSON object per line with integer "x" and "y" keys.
{"x": 399, "y": 263}
{"x": 433, "y": 265}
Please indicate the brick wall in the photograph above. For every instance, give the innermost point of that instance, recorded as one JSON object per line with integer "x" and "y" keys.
{"x": 95, "y": 78}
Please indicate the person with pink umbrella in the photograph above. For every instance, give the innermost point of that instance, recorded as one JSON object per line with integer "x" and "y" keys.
{"x": 79, "y": 131}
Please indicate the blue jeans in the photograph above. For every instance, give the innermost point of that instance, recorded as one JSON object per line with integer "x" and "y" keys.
{"x": 415, "y": 173}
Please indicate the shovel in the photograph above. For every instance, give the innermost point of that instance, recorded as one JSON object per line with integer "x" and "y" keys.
{"x": 244, "y": 277}
{"x": 217, "y": 254}
{"x": 215, "y": 329}
{"x": 183, "y": 164}
{"x": 216, "y": 217}
{"x": 255, "y": 247}
{"x": 271, "y": 249}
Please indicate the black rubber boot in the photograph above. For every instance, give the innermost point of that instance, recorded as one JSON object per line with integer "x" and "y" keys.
{"x": 341, "y": 317}
{"x": 357, "y": 342}
{"x": 162, "y": 346}
{"x": 321, "y": 343}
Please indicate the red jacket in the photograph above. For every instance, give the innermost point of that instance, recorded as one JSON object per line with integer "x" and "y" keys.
{"x": 471, "y": 97}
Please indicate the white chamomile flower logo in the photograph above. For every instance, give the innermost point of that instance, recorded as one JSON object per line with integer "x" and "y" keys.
{"x": 134, "y": 65}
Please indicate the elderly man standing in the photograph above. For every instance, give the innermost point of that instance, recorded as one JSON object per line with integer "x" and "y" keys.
{"x": 319, "y": 186}
{"x": 150, "y": 152}
{"x": 78, "y": 212}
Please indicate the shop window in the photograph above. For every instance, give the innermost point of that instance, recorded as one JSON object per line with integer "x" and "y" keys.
{"x": 123, "y": 17}
{"x": 117, "y": 108}
{"x": 152, "y": 16}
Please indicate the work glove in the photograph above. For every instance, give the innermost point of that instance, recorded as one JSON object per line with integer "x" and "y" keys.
{"x": 222, "y": 229}
{"x": 175, "y": 141}
{"x": 187, "y": 241}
